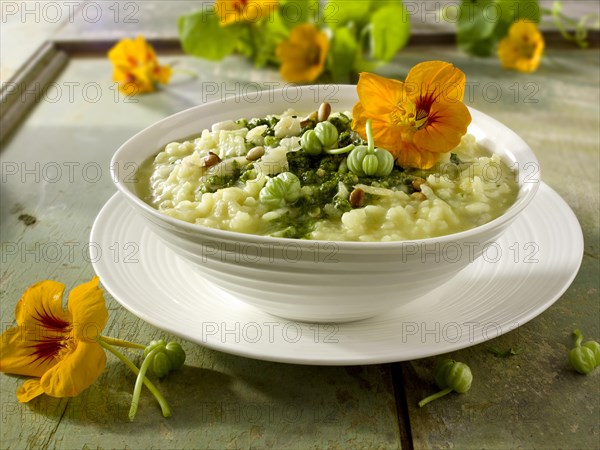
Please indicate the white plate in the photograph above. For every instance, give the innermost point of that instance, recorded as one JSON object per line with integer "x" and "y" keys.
{"x": 518, "y": 277}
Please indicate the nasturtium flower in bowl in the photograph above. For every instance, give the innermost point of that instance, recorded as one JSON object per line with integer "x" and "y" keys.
{"x": 418, "y": 119}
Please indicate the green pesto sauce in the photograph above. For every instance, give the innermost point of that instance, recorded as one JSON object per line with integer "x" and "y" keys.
{"x": 322, "y": 174}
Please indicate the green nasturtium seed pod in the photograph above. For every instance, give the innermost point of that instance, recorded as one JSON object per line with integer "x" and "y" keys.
{"x": 176, "y": 355}
{"x": 584, "y": 358}
{"x": 459, "y": 377}
{"x": 595, "y": 347}
{"x": 355, "y": 160}
{"x": 450, "y": 376}
{"x": 386, "y": 162}
{"x": 310, "y": 143}
{"x": 370, "y": 164}
{"x": 442, "y": 371}
{"x": 168, "y": 357}
{"x": 282, "y": 189}
{"x": 327, "y": 134}
{"x": 366, "y": 160}
{"x": 160, "y": 365}
{"x": 152, "y": 345}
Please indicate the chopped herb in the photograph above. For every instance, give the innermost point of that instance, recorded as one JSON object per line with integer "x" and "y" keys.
{"x": 271, "y": 141}
{"x": 454, "y": 159}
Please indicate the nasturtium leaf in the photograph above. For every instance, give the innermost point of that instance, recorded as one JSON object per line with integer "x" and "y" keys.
{"x": 390, "y": 31}
{"x": 342, "y": 54}
{"x": 264, "y": 40}
{"x": 295, "y": 12}
{"x": 201, "y": 35}
{"x": 337, "y": 13}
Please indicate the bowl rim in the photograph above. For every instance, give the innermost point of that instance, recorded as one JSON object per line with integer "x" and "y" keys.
{"x": 524, "y": 196}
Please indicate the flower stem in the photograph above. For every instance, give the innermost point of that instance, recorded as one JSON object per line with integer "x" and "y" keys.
{"x": 339, "y": 151}
{"x": 371, "y": 142}
{"x": 121, "y": 343}
{"x": 578, "y": 338}
{"x": 161, "y": 400}
{"x": 137, "y": 390}
{"x": 184, "y": 71}
{"x": 434, "y": 397}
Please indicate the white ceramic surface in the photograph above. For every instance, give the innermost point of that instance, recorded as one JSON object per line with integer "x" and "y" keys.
{"x": 519, "y": 276}
{"x": 317, "y": 280}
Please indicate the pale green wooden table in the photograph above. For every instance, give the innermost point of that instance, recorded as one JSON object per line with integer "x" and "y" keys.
{"x": 55, "y": 168}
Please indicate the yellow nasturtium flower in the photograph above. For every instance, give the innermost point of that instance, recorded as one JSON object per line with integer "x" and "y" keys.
{"x": 234, "y": 11}
{"x": 417, "y": 120}
{"x": 522, "y": 49}
{"x": 303, "y": 54}
{"x": 135, "y": 66}
{"x": 56, "y": 346}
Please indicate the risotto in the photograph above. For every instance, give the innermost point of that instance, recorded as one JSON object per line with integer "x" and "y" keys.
{"x": 293, "y": 176}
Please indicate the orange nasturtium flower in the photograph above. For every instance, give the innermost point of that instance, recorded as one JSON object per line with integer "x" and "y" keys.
{"x": 56, "y": 346}
{"x": 135, "y": 66}
{"x": 416, "y": 120}
{"x": 303, "y": 54}
{"x": 522, "y": 49}
{"x": 234, "y": 11}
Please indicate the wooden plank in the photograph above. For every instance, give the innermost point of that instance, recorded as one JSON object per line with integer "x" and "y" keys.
{"x": 22, "y": 92}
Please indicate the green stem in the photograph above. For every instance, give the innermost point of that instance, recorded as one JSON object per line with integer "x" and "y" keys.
{"x": 161, "y": 400}
{"x": 364, "y": 35}
{"x": 578, "y": 338}
{"x": 137, "y": 390}
{"x": 434, "y": 397}
{"x": 190, "y": 72}
{"x": 580, "y": 34}
{"x": 339, "y": 151}
{"x": 370, "y": 140}
{"x": 121, "y": 343}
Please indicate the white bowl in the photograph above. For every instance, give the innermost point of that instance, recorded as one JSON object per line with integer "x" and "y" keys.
{"x": 317, "y": 281}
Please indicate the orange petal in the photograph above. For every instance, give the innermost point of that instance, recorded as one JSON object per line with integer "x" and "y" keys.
{"x": 411, "y": 156}
{"x": 76, "y": 372}
{"x": 379, "y": 95}
{"x": 297, "y": 54}
{"x": 385, "y": 134}
{"x": 232, "y": 11}
{"x": 322, "y": 41}
{"x": 87, "y": 305}
{"x": 449, "y": 122}
{"x": 17, "y": 350}
{"x": 359, "y": 120}
{"x": 41, "y": 306}
{"x": 522, "y": 49}
{"x": 163, "y": 74}
{"x": 29, "y": 349}
{"x": 438, "y": 77}
{"x": 29, "y": 390}
{"x": 389, "y": 137}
